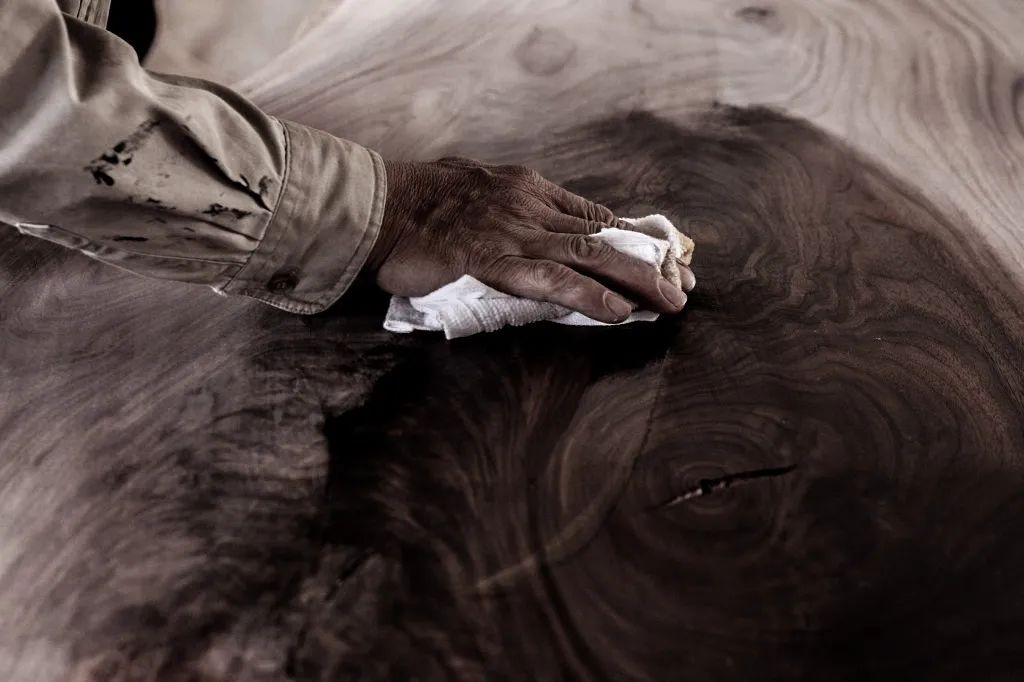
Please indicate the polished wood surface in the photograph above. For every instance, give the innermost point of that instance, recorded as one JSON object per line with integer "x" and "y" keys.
{"x": 813, "y": 473}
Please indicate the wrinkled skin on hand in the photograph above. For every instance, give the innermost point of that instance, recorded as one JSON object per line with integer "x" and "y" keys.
{"x": 513, "y": 230}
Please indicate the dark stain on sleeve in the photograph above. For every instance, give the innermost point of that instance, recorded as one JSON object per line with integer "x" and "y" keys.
{"x": 130, "y": 239}
{"x": 264, "y": 185}
{"x": 153, "y": 202}
{"x": 226, "y": 168}
{"x": 100, "y": 176}
{"x": 219, "y": 209}
{"x": 121, "y": 154}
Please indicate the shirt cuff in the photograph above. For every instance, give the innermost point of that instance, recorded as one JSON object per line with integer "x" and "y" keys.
{"x": 324, "y": 225}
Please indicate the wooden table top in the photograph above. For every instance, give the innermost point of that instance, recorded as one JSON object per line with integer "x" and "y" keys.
{"x": 815, "y": 472}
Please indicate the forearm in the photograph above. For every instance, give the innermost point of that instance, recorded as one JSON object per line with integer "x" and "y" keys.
{"x": 171, "y": 177}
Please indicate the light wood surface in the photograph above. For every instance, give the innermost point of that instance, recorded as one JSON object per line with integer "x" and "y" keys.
{"x": 227, "y": 40}
{"x": 194, "y": 487}
{"x": 930, "y": 88}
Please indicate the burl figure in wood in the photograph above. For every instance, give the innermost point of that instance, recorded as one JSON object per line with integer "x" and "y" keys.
{"x": 814, "y": 473}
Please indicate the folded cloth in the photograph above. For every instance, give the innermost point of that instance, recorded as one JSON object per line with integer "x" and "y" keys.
{"x": 468, "y": 306}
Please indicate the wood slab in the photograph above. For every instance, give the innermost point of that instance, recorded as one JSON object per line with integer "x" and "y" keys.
{"x": 813, "y": 473}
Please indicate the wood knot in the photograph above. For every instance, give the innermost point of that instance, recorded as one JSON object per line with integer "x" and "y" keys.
{"x": 545, "y": 51}
{"x": 754, "y": 13}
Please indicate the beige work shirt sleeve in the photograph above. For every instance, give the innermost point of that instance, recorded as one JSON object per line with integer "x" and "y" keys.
{"x": 172, "y": 177}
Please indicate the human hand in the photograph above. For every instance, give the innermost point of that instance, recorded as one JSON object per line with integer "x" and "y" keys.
{"x": 514, "y": 231}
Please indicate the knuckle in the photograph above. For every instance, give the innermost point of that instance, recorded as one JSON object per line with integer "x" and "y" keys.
{"x": 481, "y": 175}
{"x": 585, "y": 249}
{"x": 600, "y": 213}
{"x": 524, "y": 173}
{"x": 547, "y": 274}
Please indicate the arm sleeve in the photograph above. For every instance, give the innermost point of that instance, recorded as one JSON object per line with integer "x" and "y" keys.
{"x": 172, "y": 177}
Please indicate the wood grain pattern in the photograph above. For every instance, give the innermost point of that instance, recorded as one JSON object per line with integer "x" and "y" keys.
{"x": 813, "y": 473}
{"x": 815, "y": 477}
{"x": 932, "y": 88}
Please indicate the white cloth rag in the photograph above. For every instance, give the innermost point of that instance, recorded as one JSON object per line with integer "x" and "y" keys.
{"x": 468, "y": 306}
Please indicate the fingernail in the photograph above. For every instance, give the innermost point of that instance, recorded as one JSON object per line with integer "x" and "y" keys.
{"x": 672, "y": 294}
{"x": 689, "y": 281}
{"x": 618, "y": 306}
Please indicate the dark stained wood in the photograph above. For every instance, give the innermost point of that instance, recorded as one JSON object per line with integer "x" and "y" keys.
{"x": 553, "y": 514}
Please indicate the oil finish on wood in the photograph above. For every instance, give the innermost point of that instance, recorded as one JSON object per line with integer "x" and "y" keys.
{"x": 815, "y": 472}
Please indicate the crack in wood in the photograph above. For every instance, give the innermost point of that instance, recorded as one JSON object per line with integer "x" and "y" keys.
{"x": 709, "y": 486}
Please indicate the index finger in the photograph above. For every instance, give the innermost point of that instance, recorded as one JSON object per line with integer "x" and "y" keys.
{"x": 579, "y": 207}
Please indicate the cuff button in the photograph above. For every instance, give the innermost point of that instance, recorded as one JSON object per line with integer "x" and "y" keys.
{"x": 283, "y": 281}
